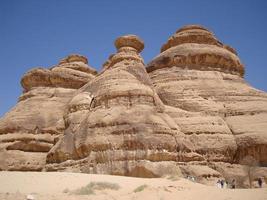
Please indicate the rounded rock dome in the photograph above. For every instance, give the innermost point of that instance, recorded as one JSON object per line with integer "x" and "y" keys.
{"x": 130, "y": 41}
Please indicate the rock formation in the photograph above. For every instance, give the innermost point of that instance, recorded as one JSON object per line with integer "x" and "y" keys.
{"x": 30, "y": 129}
{"x": 125, "y": 124}
{"x": 188, "y": 111}
{"x": 197, "y": 73}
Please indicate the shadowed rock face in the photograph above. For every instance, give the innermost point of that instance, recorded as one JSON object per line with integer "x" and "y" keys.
{"x": 189, "y": 109}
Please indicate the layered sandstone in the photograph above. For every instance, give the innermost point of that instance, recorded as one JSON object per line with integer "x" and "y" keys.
{"x": 30, "y": 129}
{"x": 71, "y": 72}
{"x": 194, "y": 47}
{"x": 188, "y": 111}
{"x": 124, "y": 127}
{"x": 197, "y": 73}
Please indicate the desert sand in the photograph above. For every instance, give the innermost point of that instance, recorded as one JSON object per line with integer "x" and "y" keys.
{"x": 62, "y": 185}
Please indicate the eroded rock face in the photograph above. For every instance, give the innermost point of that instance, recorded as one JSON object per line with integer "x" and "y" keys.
{"x": 197, "y": 73}
{"x": 30, "y": 129}
{"x": 194, "y": 47}
{"x": 189, "y": 111}
{"x": 125, "y": 123}
{"x": 72, "y": 72}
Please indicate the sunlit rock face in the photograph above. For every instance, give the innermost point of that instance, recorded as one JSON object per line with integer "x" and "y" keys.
{"x": 29, "y": 130}
{"x": 197, "y": 73}
{"x": 125, "y": 129}
{"x": 188, "y": 111}
{"x": 71, "y": 72}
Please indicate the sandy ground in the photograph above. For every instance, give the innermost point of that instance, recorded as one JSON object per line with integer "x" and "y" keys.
{"x": 60, "y": 186}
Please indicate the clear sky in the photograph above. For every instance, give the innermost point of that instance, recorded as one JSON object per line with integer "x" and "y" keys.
{"x": 39, "y": 33}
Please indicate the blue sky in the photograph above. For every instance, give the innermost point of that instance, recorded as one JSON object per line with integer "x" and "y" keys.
{"x": 39, "y": 33}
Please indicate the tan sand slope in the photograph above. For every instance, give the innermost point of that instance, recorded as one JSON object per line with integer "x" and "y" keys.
{"x": 59, "y": 186}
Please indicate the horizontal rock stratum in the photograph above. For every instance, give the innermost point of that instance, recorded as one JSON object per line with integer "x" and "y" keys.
{"x": 188, "y": 111}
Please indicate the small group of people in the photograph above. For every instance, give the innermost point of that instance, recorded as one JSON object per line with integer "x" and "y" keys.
{"x": 225, "y": 184}
{"x": 191, "y": 178}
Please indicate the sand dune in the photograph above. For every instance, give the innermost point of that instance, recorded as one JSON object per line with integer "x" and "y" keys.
{"x": 64, "y": 186}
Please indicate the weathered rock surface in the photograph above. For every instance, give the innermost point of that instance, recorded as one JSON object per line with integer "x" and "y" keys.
{"x": 71, "y": 72}
{"x": 197, "y": 73}
{"x": 188, "y": 111}
{"x": 125, "y": 123}
{"x": 30, "y": 129}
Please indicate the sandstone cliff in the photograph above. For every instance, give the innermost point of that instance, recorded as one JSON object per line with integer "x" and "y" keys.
{"x": 188, "y": 111}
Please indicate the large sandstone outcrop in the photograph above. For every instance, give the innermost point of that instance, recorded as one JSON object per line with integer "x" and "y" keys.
{"x": 126, "y": 127}
{"x": 188, "y": 111}
{"x": 29, "y": 130}
{"x": 197, "y": 73}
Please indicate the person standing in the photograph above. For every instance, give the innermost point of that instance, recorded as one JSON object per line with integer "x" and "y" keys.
{"x": 260, "y": 182}
{"x": 233, "y": 184}
{"x": 218, "y": 183}
{"x": 226, "y": 185}
{"x": 222, "y": 183}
